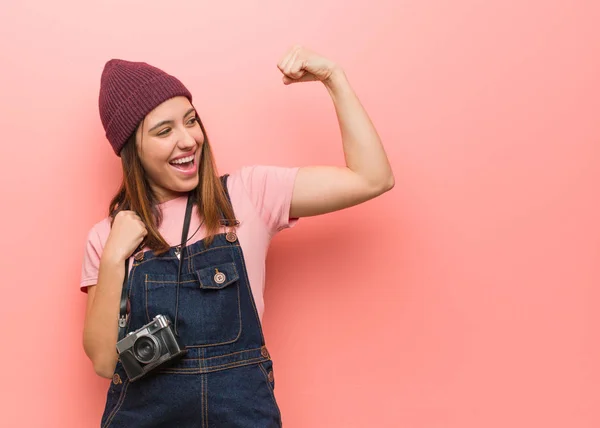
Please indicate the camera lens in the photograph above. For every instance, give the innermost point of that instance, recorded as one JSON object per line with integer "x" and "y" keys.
{"x": 146, "y": 349}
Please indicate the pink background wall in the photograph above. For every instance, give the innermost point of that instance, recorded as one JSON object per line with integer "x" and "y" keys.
{"x": 466, "y": 297}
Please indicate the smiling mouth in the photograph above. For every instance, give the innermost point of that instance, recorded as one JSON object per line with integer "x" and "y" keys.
{"x": 185, "y": 164}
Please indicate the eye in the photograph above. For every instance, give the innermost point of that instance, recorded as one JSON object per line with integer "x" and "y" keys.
{"x": 193, "y": 121}
{"x": 164, "y": 132}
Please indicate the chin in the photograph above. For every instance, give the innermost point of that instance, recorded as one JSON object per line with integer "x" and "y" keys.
{"x": 186, "y": 186}
{"x": 176, "y": 185}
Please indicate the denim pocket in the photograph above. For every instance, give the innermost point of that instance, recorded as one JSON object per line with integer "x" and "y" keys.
{"x": 208, "y": 306}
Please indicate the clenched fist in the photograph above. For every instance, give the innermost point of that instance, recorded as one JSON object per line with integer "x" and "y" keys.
{"x": 302, "y": 65}
{"x": 127, "y": 233}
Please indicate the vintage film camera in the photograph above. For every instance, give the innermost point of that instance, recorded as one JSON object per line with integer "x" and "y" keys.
{"x": 148, "y": 347}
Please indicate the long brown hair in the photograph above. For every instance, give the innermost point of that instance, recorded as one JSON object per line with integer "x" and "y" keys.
{"x": 135, "y": 194}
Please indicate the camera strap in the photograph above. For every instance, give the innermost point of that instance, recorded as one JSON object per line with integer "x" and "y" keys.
{"x": 123, "y": 305}
{"x": 123, "y": 312}
{"x": 184, "y": 234}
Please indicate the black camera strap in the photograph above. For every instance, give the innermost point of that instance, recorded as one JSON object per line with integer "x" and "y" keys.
{"x": 184, "y": 234}
{"x": 123, "y": 305}
{"x": 124, "y": 300}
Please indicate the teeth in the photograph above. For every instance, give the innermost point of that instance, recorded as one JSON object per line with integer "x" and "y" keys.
{"x": 183, "y": 160}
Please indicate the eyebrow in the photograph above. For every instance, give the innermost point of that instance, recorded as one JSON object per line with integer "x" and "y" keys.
{"x": 168, "y": 122}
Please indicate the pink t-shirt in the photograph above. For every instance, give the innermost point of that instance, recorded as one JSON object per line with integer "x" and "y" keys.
{"x": 261, "y": 197}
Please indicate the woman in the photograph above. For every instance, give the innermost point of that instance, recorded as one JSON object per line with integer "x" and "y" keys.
{"x": 175, "y": 273}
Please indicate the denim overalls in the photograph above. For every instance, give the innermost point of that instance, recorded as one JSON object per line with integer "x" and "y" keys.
{"x": 226, "y": 378}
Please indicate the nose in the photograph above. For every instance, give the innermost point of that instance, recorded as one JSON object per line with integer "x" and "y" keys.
{"x": 186, "y": 141}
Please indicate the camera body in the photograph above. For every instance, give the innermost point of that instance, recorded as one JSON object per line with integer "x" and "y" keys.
{"x": 148, "y": 347}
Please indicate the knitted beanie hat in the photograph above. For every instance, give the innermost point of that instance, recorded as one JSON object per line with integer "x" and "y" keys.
{"x": 128, "y": 92}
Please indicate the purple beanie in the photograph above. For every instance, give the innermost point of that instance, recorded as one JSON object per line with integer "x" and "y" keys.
{"x": 128, "y": 92}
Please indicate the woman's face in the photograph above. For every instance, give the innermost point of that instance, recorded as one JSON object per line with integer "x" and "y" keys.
{"x": 169, "y": 144}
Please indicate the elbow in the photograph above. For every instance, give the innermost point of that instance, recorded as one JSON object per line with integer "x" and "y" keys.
{"x": 103, "y": 357}
{"x": 385, "y": 185}
{"x": 104, "y": 367}
{"x": 379, "y": 187}
{"x": 389, "y": 183}
{"x": 104, "y": 363}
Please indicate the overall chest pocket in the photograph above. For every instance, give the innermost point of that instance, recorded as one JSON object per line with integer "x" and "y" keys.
{"x": 208, "y": 312}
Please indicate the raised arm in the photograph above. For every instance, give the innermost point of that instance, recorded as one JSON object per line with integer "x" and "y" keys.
{"x": 367, "y": 174}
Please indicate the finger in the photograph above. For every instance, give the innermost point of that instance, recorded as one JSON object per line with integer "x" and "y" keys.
{"x": 290, "y": 64}
{"x": 284, "y": 65}
{"x": 127, "y": 214}
{"x": 283, "y": 62}
{"x": 306, "y": 78}
{"x": 297, "y": 69}
{"x": 288, "y": 58}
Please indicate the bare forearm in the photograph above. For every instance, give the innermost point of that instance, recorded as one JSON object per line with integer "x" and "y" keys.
{"x": 363, "y": 151}
{"x": 101, "y": 328}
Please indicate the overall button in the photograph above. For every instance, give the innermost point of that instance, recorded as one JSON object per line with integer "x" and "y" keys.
{"x": 264, "y": 352}
{"x": 231, "y": 237}
{"x": 219, "y": 277}
{"x": 271, "y": 376}
{"x": 139, "y": 256}
{"x": 117, "y": 379}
